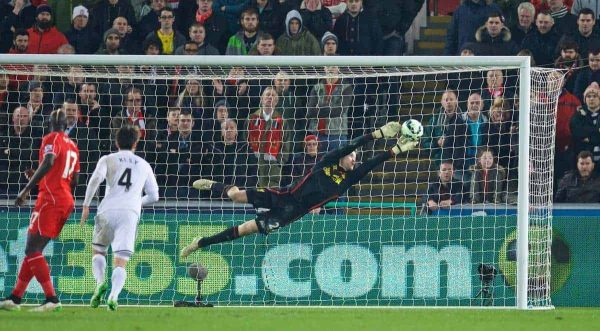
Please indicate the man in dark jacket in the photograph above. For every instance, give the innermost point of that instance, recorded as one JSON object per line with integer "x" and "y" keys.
{"x": 467, "y": 18}
{"x": 200, "y": 11}
{"x": 81, "y": 36}
{"x": 358, "y": 31}
{"x": 585, "y": 123}
{"x": 170, "y": 38}
{"x": 494, "y": 38}
{"x": 586, "y": 35}
{"x": 20, "y": 15}
{"x": 104, "y": 14}
{"x": 441, "y": 195}
{"x": 395, "y": 18}
{"x": 542, "y": 42}
{"x": 316, "y": 17}
{"x": 581, "y": 185}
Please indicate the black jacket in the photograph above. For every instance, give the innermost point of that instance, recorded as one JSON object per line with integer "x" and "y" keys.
{"x": 360, "y": 35}
{"x": 574, "y": 189}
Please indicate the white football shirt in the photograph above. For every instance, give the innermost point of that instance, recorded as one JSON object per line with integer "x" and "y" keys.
{"x": 127, "y": 177}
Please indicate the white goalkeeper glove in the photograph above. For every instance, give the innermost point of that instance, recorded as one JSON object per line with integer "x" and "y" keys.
{"x": 389, "y": 130}
{"x": 405, "y": 144}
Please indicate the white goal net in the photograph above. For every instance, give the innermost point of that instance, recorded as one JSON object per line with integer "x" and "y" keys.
{"x": 439, "y": 226}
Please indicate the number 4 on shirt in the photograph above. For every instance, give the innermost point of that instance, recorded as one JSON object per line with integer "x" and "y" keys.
{"x": 125, "y": 179}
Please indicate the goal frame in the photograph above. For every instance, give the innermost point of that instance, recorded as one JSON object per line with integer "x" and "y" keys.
{"x": 522, "y": 62}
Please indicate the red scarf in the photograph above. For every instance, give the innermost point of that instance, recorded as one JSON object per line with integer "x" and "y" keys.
{"x": 497, "y": 92}
{"x": 201, "y": 18}
{"x": 139, "y": 121}
{"x": 322, "y": 125}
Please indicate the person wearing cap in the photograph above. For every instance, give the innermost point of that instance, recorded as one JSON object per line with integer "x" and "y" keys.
{"x": 494, "y": 38}
{"x": 329, "y": 44}
{"x": 81, "y": 36}
{"x": 585, "y": 123}
{"x": 43, "y": 37}
{"x": 297, "y": 40}
{"x": 111, "y": 43}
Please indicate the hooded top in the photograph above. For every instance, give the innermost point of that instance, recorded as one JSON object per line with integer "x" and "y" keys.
{"x": 291, "y": 15}
{"x": 301, "y": 43}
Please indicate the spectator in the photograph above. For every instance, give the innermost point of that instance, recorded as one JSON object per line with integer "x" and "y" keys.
{"x": 265, "y": 46}
{"x": 358, "y": 31}
{"x": 475, "y": 122}
{"x": 111, "y": 43}
{"x": 329, "y": 44}
{"x": 93, "y": 115}
{"x": 197, "y": 34}
{"x": 68, "y": 87}
{"x": 316, "y": 17}
{"x": 585, "y": 126}
{"x": 265, "y": 136}
{"x": 586, "y": 35}
{"x": 524, "y": 26}
{"x": 134, "y": 113}
{"x": 106, "y": 11}
{"x": 131, "y": 43}
{"x": 18, "y": 148}
{"x": 500, "y": 134}
{"x": 567, "y": 107}
{"x": 581, "y": 185}
{"x": 20, "y": 42}
{"x": 81, "y": 36}
{"x": 327, "y": 110}
{"x": 5, "y": 97}
{"x": 20, "y": 15}
{"x": 580, "y": 5}
{"x": 150, "y": 22}
{"x": 66, "y": 49}
{"x": 192, "y": 99}
{"x": 168, "y": 129}
{"x": 43, "y": 37}
{"x": 494, "y": 38}
{"x": 445, "y": 133}
{"x": 213, "y": 128}
{"x": 154, "y": 47}
{"x": 184, "y": 157}
{"x": 235, "y": 163}
{"x": 564, "y": 22}
{"x": 83, "y": 136}
{"x": 569, "y": 62}
{"x": 301, "y": 163}
{"x": 487, "y": 179}
{"x": 495, "y": 88}
{"x": 38, "y": 110}
{"x": 444, "y": 193}
{"x": 231, "y": 9}
{"x": 543, "y": 41}
{"x": 169, "y": 38}
{"x": 465, "y": 81}
{"x": 588, "y": 74}
{"x": 466, "y": 19}
{"x": 294, "y": 115}
{"x": 246, "y": 38}
{"x": 236, "y": 91}
{"x": 297, "y": 40}
{"x": 270, "y": 14}
{"x": 395, "y": 17}
{"x": 217, "y": 32}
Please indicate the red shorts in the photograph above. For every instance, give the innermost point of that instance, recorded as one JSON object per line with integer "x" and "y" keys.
{"x": 48, "y": 219}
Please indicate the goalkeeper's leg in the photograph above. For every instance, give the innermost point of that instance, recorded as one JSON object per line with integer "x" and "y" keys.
{"x": 234, "y": 232}
{"x": 231, "y": 191}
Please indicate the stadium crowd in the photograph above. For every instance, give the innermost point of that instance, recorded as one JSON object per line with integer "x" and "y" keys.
{"x": 248, "y": 131}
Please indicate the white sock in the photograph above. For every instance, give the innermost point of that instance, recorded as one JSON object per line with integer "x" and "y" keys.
{"x": 99, "y": 267}
{"x": 118, "y": 280}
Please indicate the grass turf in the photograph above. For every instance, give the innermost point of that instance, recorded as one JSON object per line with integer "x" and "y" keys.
{"x": 219, "y": 319}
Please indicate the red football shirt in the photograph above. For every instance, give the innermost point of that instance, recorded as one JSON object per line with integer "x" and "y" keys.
{"x": 55, "y": 187}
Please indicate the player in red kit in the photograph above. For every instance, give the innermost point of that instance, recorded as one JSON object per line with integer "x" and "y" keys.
{"x": 56, "y": 178}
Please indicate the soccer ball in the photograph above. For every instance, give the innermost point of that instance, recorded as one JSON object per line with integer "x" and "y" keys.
{"x": 412, "y": 129}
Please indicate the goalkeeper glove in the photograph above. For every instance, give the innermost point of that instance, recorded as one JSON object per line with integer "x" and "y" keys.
{"x": 389, "y": 130}
{"x": 404, "y": 145}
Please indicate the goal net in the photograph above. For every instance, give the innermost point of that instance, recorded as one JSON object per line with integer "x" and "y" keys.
{"x": 463, "y": 220}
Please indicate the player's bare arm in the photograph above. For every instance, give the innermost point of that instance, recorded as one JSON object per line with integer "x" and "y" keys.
{"x": 41, "y": 171}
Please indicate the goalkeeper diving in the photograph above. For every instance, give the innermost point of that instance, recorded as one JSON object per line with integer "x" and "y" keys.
{"x": 330, "y": 178}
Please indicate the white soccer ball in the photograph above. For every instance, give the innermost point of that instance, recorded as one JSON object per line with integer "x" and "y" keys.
{"x": 412, "y": 129}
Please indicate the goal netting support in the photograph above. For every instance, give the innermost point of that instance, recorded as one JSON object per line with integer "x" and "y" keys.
{"x": 464, "y": 220}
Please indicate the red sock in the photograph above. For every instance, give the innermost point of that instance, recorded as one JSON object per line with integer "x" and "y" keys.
{"x": 23, "y": 279}
{"x": 39, "y": 267}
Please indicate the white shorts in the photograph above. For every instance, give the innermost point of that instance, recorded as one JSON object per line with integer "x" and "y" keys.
{"x": 116, "y": 228}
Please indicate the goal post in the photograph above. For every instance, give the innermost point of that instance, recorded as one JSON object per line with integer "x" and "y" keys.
{"x": 386, "y": 247}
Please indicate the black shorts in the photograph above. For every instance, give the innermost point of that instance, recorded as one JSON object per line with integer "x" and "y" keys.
{"x": 283, "y": 208}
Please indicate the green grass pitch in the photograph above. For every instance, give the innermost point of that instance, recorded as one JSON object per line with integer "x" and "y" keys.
{"x": 305, "y": 319}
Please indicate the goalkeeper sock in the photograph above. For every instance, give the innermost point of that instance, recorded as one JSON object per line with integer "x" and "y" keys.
{"x": 99, "y": 267}
{"x": 23, "y": 279}
{"x": 119, "y": 275}
{"x": 226, "y": 235}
